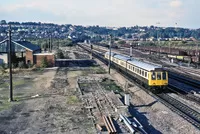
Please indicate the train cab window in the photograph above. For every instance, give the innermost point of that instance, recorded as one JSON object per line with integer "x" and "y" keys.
{"x": 142, "y": 73}
{"x": 145, "y": 74}
{"x": 158, "y": 76}
{"x": 153, "y": 76}
{"x": 164, "y": 76}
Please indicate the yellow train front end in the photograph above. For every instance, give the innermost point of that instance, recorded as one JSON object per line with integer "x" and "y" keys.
{"x": 158, "y": 79}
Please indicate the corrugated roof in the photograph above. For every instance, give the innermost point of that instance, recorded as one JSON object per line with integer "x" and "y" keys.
{"x": 27, "y": 45}
{"x": 146, "y": 66}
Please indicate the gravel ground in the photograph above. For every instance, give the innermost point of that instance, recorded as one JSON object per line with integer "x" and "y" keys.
{"x": 188, "y": 102}
{"x": 154, "y": 116}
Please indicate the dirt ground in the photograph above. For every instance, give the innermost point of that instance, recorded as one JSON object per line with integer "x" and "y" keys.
{"x": 47, "y": 107}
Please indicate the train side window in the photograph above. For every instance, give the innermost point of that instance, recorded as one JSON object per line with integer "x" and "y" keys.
{"x": 145, "y": 74}
{"x": 158, "y": 76}
{"x": 153, "y": 76}
{"x": 133, "y": 69}
{"x": 142, "y": 73}
{"x": 164, "y": 76}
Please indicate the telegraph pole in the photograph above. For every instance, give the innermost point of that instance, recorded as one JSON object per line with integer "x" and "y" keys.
{"x": 10, "y": 65}
{"x": 109, "y": 64}
{"x": 49, "y": 45}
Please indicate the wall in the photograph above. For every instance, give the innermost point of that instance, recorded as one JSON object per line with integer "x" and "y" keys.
{"x": 29, "y": 57}
{"x": 50, "y": 59}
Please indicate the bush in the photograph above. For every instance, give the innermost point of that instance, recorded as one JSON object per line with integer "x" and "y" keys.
{"x": 59, "y": 54}
{"x": 21, "y": 65}
{"x": 44, "y": 62}
{"x": 2, "y": 70}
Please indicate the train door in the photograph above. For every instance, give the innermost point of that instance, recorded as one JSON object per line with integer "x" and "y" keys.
{"x": 164, "y": 78}
{"x": 152, "y": 78}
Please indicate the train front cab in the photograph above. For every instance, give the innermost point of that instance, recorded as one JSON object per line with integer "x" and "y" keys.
{"x": 158, "y": 79}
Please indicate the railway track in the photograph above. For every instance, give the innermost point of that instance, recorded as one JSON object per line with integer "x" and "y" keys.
{"x": 184, "y": 95}
{"x": 172, "y": 74}
{"x": 181, "y": 109}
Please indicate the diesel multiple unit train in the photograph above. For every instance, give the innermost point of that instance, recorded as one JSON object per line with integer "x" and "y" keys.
{"x": 150, "y": 75}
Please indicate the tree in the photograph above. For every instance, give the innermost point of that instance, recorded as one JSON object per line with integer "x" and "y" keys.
{"x": 3, "y": 22}
{"x": 44, "y": 62}
{"x": 59, "y": 54}
{"x": 122, "y": 42}
{"x": 129, "y": 36}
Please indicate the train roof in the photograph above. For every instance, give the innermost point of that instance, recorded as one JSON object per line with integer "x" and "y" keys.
{"x": 112, "y": 54}
{"x": 144, "y": 65}
{"x": 121, "y": 57}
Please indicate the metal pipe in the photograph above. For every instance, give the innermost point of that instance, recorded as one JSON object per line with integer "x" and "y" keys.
{"x": 10, "y": 65}
{"x": 127, "y": 124}
{"x": 127, "y": 120}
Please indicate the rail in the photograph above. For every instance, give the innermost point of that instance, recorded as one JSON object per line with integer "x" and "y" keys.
{"x": 181, "y": 109}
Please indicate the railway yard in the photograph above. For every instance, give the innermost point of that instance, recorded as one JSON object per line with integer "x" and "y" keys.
{"x": 87, "y": 99}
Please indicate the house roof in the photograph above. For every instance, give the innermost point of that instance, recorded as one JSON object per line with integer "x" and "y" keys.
{"x": 27, "y": 45}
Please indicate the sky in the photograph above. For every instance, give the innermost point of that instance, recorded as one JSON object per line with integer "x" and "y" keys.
{"x": 114, "y": 13}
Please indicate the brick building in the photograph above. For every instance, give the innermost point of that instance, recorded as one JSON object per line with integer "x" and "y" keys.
{"x": 33, "y": 54}
{"x": 40, "y": 56}
{"x": 30, "y": 50}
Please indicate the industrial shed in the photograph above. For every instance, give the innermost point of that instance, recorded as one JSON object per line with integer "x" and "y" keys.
{"x": 31, "y": 52}
{"x": 34, "y": 55}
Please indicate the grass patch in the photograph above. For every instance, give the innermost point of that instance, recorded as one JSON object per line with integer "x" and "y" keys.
{"x": 15, "y": 83}
{"x": 72, "y": 74}
{"x": 99, "y": 70}
{"x": 94, "y": 70}
{"x": 110, "y": 85}
{"x": 4, "y": 85}
{"x": 72, "y": 99}
{"x": 18, "y": 82}
{"x": 5, "y": 105}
